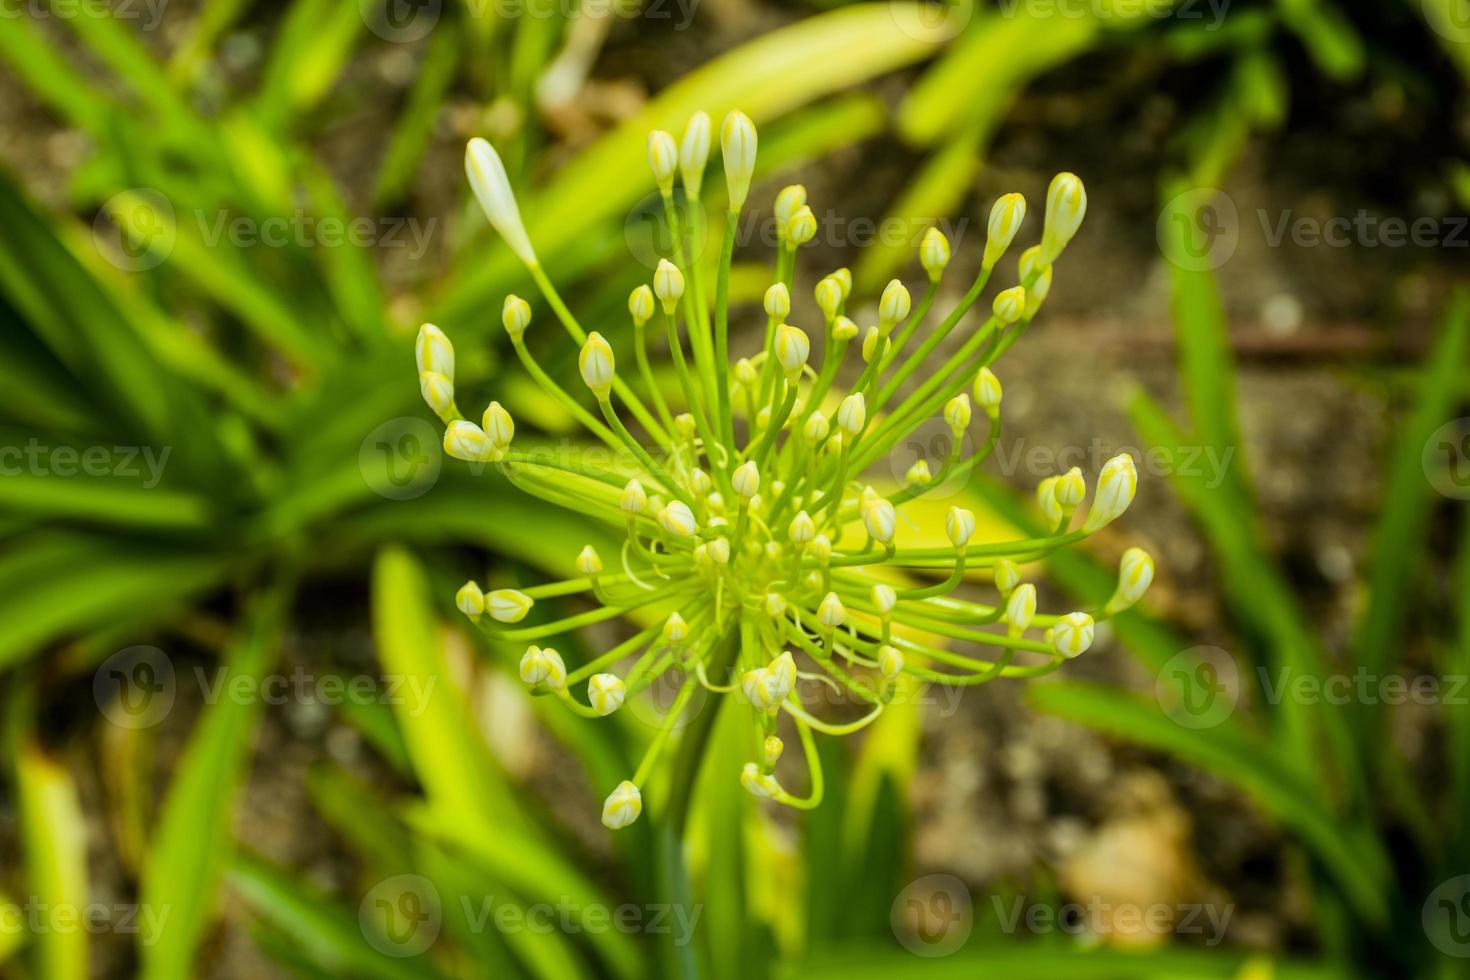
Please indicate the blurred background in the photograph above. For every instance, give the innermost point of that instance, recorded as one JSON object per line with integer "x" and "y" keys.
{"x": 245, "y": 732}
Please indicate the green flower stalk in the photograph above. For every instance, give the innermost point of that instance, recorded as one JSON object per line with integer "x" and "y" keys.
{"x": 751, "y": 542}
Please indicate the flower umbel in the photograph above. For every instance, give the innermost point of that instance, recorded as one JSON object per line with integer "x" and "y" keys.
{"x": 751, "y": 543}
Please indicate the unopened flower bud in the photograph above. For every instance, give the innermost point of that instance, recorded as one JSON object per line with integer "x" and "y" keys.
{"x": 676, "y": 518}
{"x": 843, "y": 329}
{"x": 884, "y": 598}
{"x": 694, "y": 152}
{"x": 606, "y": 693}
{"x": 1135, "y": 575}
{"x": 1009, "y": 305}
{"x": 957, "y": 413}
{"x": 844, "y": 279}
{"x": 815, "y": 429}
{"x": 1116, "y": 485}
{"x": 1007, "y": 575}
{"x": 918, "y": 475}
{"x": 1020, "y": 608}
{"x": 1066, "y": 204}
{"x": 875, "y": 344}
{"x": 467, "y": 441}
{"x": 492, "y": 189}
{"x": 746, "y": 479}
{"x": 778, "y": 301}
{"x": 894, "y": 305}
{"x": 987, "y": 391}
{"x": 758, "y": 783}
{"x": 820, "y": 549}
{"x": 675, "y": 629}
{"x": 622, "y": 807}
{"x": 880, "y": 521}
{"x": 793, "y": 347}
{"x": 634, "y": 500}
{"x": 831, "y": 613}
{"x": 685, "y": 425}
{"x": 737, "y": 146}
{"x": 771, "y": 750}
{"x": 934, "y": 253}
{"x": 775, "y": 605}
{"x": 802, "y": 227}
{"x": 1031, "y": 263}
{"x": 508, "y": 605}
{"x": 640, "y": 304}
{"x": 543, "y": 668}
{"x": 668, "y": 285}
{"x": 959, "y": 526}
{"x": 588, "y": 561}
{"x": 852, "y": 414}
{"x": 663, "y": 159}
{"x": 790, "y": 200}
{"x": 828, "y": 293}
{"x": 433, "y": 352}
{"x": 890, "y": 661}
{"x": 438, "y": 392}
{"x": 597, "y": 365}
{"x": 1005, "y": 220}
{"x": 1046, "y": 498}
{"x": 499, "y": 427}
{"x": 746, "y": 375}
{"x": 470, "y": 600}
{"x": 802, "y": 528}
{"x": 1071, "y": 488}
{"x": 1073, "y": 634}
{"x": 515, "y": 316}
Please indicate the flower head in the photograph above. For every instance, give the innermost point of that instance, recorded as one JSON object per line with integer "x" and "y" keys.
{"x": 740, "y": 522}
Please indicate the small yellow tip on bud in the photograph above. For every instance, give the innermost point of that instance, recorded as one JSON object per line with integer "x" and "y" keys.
{"x": 622, "y": 806}
{"x": 508, "y": 605}
{"x": 606, "y": 693}
{"x": 988, "y": 392}
{"x": 499, "y": 427}
{"x": 634, "y": 500}
{"x": 433, "y": 352}
{"x": 771, "y": 750}
{"x": 1007, "y": 575}
{"x": 1010, "y": 305}
{"x": 1021, "y": 608}
{"x": 471, "y": 601}
{"x": 1073, "y": 634}
{"x": 663, "y": 159}
{"x": 880, "y": 520}
{"x": 1116, "y": 485}
{"x": 934, "y": 253}
{"x": 894, "y": 305}
{"x": 737, "y": 146}
{"x": 668, "y": 285}
{"x": 694, "y": 152}
{"x": 543, "y": 668}
{"x": 1005, "y": 221}
{"x": 831, "y": 613}
{"x": 597, "y": 365}
{"x": 588, "y": 561}
{"x": 802, "y": 227}
{"x": 959, "y": 525}
{"x": 676, "y": 518}
{"x": 793, "y": 347}
{"x": 778, "y": 302}
{"x": 640, "y": 304}
{"x": 1066, "y": 204}
{"x": 957, "y": 413}
{"x": 491, "y": 186}
{"x": 746, "y": 480}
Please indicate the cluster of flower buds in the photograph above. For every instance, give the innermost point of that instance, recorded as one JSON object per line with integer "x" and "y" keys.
{"x": 751, "y": 541}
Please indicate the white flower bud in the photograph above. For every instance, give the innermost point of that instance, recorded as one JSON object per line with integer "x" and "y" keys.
{"x": 1010, "y": 305}
{"x": 640, "y": 304}
{"x": 783, "y": 668}
{"x": 675, "y": 629}
{"x": 589, "y": 562}
{"x": 957, "y": 413}
{"x": 884, "y": 598}
{"x": 890, "y": 661}
{"x": 1116, "y": 485}
{"x": 508, "y": 605}
{"x": 918, "y": 475}
{"x": 633, "y": 500}
{"x": 438, "y": 392}
{"x": 1072, "y": 634}
{"x": 852, "y": 414}
{"x": 433, "y": 352}
{"x": 466, "y": 441}
{"x": 543, "y": 668}
{"x": 758, "y": 783}
{"x": 737, "y": 145}
{"x": 771, "y": 749}
{"x": 815, "y": 429}
{"x": 1038, "y": 290}
{"x": 844, "y": 279}
{"x": 1066, "y": 204}
{"x": 802, "y": 227}
{"x": 894, "y": 306}
{"x": 597, "y": 365}
{"x": 746, "y": 479}
{"x": 499, "y": 427}
{"x": 668, "y": 285}
{"x": 988, "y": 392}
{"x": 880, "y": 520}
{"x": 959, "y": 525}
{"x": 790, "y": 200}
{"x": 871, "y": 342}
{"x": 1007, "y": 575}
{"x": 470, "y": 600}
{"x": 694, "y": 152}
{"x": 622, "y": 806}
{"x": 1071, "y": 488}
{"x": 492, "y": 189}
{"x": 606, "y": 693}
{"x": 719, "y": 551}
{"x": 1046, "y": 498}
{"x": 802, "y": 528}
{"x": 684, "y": 422}
{"x": 820, "y": 549}
{"x": 663, "y": 159}
{"x": 775, "y": 605}
{"x": 828, "y": 293}
{"x": 1021, "y": 608}
{"x": 831, "y": 613}
{"x": 793, "y": 347}
{"x": 778, "y": 301}
{"x": 515, "y": 316}
{"x": 699, "y": 482}
{"x": 676, "y": 518}
{"x": 1135, "y": 575}
{"x": 844, "y": 329}
{"x": 1005, "y": 220}
{"x": 934, "y": 253}
{"x": 746, "y": 375}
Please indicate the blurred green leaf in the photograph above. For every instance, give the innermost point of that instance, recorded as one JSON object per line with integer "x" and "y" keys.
{"x": 54, "y": 834}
